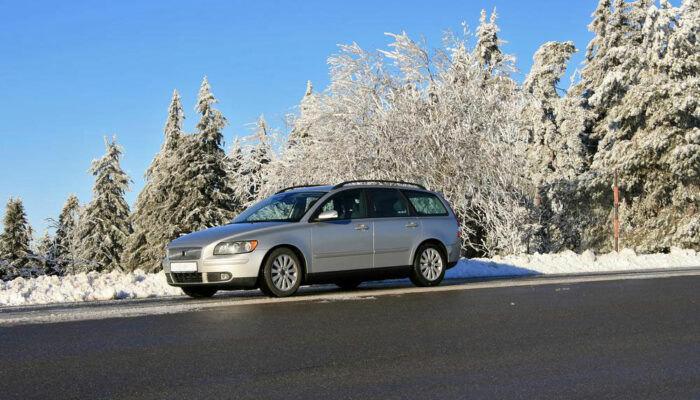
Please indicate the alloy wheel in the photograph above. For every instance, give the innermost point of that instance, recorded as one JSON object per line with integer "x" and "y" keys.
{"x": 430, "y": 264}
{"x": 284, "y": 272}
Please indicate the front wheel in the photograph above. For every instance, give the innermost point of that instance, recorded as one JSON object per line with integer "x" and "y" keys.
{"x": 199, "y": 292}
{"x": 429, "y": 266}
{"x": 281, "y": 274}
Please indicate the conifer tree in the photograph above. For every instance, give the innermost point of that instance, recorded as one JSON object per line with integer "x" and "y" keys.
{"x": 105, "y": 224}
{"x": 204, "y": 198}
{"x": 257, "y": 156}
{"x": 153, "y": 228}
{"x": 67, "y": 237}
{"x": 555, "y": 151}
{"x": 300, "y": 125}
{"x": 487, "y": 52}
{"x": 650, "y": 136}
{"x": 613, "y": 60}
{"x": 234, "y": 165}
{"x": 601, "y": 16}
{"x": 46, "y": 254}
{"x": 15, "y": 242}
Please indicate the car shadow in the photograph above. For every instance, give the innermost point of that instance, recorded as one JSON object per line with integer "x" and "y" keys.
{"x": 466, "y": 271}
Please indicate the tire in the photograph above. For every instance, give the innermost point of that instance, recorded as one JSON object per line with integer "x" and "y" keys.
{"x": 428, "y": 266}
{"x": 199, "y": 292}
{"x": 281, "y": 273}
{"x": 348, "y": 284}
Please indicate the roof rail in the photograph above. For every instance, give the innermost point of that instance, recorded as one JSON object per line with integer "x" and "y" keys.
{"x": 378, "y": 181}
{"x": 295, "y": 187}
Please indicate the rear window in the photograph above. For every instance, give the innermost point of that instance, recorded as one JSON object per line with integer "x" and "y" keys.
{"x": 425, "y": 204}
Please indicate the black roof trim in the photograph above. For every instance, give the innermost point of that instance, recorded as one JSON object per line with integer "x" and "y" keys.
{"x": 296, "y": 187}
{"x": 378, "y": 181}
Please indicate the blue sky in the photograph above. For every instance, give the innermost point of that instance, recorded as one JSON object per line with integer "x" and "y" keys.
{"x": 72, "y": 72}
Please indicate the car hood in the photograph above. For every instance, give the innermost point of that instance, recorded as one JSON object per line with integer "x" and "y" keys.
{"x": 211, "y": 235}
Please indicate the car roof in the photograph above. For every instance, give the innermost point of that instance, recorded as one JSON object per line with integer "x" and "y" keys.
{"x": 328, "y": 188}
{"x": 319, "y": 188}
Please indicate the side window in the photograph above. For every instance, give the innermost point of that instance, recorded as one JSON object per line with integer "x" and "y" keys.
{"x": 425, "y": 204}
{"x": 350, "y": 204}
{"x": 387, "y": 203}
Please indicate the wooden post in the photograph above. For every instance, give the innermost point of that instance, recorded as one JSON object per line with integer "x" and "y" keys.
{"x": 616, "y": 214}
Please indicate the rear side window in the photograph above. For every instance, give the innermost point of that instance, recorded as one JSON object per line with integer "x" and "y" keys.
{"x": 350, "y": 204}
{"x": 387, "y": 203}
{"x": 425, "y": 204}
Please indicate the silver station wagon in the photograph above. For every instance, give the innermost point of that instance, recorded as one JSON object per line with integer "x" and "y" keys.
{"x": 344, "y": 234}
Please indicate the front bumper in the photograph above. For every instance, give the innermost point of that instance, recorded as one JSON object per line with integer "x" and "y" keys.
{"x": 179, "y": 279}
{"x": 239, "y": 271}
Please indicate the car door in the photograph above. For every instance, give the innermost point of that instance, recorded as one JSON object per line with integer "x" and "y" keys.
{"x": 345, "y": 243}
{"x": 395, "y": 229}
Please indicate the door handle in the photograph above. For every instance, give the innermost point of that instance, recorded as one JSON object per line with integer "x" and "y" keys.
{"x": 411, "y": 225}
{"x": 361, "y": 227}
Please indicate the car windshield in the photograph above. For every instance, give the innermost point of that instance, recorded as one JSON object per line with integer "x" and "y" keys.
{"x": 284, "y": 207}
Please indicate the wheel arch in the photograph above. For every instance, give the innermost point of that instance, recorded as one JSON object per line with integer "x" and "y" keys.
{"x": 293, "y": 248}
{"x": 435, "y": 241}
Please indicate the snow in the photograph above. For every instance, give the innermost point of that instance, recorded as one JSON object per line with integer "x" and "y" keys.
{"x": 89, "y": 286}
{"x": 568, "y": 262}
{"x": 115, "y": 285}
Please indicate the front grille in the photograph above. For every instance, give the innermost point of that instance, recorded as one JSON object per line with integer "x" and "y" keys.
{"x": 190, "y": 253}
{"x": 187, "y": 277}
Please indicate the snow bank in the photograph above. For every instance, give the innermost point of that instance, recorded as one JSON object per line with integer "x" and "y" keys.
{"x": 85, "y": 287}
{"x": 568, "y": 262}
{"x": 138, "y": 284}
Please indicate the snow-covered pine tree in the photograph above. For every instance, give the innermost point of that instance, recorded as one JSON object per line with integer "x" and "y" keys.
{"x": 203, "y": 197}
{"x": 298, "y": 146}
{"x": 153, "y": 227}
{"x": 67, "y": 237}
{"x": 300, "y": 128}
{"x": 15, "y": 243}
{"x": 258, "y": 155}
{"x": 46, "y": 254}
{"x": 487, "y": 53}
{"x": 236, "y": 179}
{"x": 614, "y": 60}
{"x": 552, "y": 153}
{"x": 599, "y": 25}
{"x": 651, "y": 134}
{"x": 105, "y": 224}
{"x": 555, "y": 154}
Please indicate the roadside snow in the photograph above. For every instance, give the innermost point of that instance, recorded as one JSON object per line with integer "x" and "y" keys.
{"x": 138, "y": 284}
{"x": 568, "y": 262}
{"x": 85, "y": 287}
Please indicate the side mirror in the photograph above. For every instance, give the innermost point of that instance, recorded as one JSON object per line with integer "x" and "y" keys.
{"x": 327, "y": 215}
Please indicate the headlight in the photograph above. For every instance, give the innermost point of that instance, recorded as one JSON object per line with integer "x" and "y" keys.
{"x": 224, "y": 248}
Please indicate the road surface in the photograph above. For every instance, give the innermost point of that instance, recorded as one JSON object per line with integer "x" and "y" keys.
{"x": 636, "y": 339}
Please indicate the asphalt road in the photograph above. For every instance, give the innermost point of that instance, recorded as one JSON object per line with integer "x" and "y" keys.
{"x": 613, "y": 339}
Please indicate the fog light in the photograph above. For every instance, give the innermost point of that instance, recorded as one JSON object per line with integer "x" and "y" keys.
{"x": 218, "y": 276}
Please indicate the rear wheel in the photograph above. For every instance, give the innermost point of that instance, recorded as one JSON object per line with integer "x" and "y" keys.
{"x": 348, "y": 284}
{"x": 281, "y": 274}
{"x": 429, "y": 265}
{"x": 199, "y": 292}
